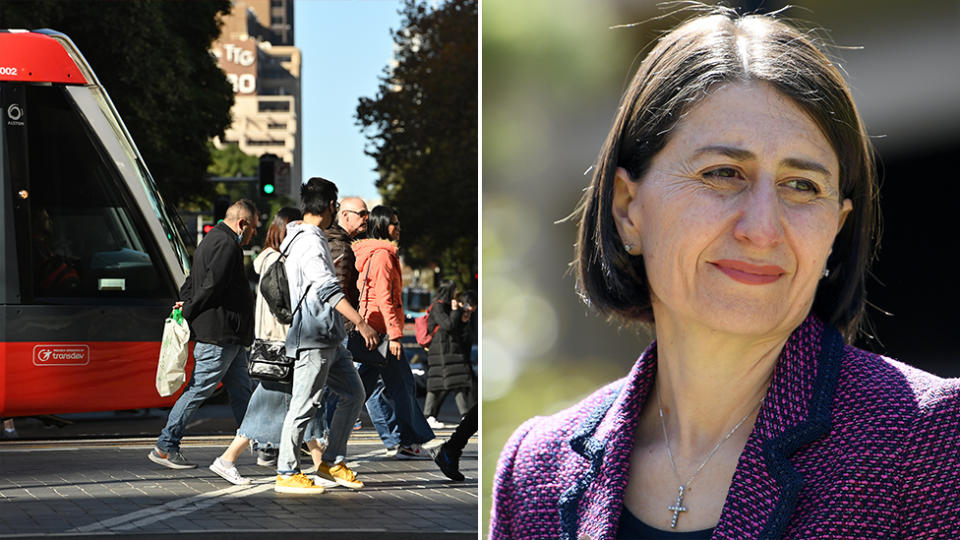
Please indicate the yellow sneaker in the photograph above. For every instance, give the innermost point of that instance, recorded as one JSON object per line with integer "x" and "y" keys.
{"x": 340, "y": 474}
{"x": 298, "y": 483}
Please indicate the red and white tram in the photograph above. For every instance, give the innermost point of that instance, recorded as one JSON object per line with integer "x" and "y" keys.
{"x": 91, "y": 259}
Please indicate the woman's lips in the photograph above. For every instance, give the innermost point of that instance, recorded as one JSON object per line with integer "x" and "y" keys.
{"x": 751, "y": 274}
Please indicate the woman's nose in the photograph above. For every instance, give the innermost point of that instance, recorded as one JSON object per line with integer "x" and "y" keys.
{"x": 760, "y": 222}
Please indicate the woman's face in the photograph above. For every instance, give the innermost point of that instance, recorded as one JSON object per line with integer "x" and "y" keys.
{"x": 394, "y": 229}
{"x": 736, "y": 216}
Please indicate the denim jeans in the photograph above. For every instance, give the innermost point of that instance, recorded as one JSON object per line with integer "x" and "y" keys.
{"x": 381, "y": 412}
{"x": 328, "y": 401}
{"x": 328, "y": 407}
{"x": 265, "y": 413}
{"x": 315, "y": 368}
{"x": 212, "y": 364}
{"x": 392, "y": 403}
{"x": 379, "y": 407}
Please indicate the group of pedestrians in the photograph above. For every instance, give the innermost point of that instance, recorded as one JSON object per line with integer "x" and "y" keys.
{"x": 341, "y": 260}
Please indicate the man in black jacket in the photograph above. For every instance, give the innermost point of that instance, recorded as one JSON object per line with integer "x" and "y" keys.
{"x": 218, "y": 305}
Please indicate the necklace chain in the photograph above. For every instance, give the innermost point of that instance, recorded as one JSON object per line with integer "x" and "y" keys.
{"x": 678, "y": 506}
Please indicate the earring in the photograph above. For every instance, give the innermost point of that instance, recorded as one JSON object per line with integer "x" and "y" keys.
{"x": 826, "y": 272}
{"x": 627, "y": 247}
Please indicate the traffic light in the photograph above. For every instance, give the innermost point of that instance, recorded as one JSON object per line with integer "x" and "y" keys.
{"x": 268, "y": 175}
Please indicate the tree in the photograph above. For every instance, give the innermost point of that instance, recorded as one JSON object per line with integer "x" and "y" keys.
{"x": 422, "y": 131}
{"x": 231, "y": 161}
{"x": 153, "y": 58}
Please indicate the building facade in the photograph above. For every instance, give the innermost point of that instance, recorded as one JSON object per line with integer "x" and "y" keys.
{"x": 256, "y": 51}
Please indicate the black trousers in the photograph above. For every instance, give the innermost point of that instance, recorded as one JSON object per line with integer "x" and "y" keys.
{"x": 466, "y": 429}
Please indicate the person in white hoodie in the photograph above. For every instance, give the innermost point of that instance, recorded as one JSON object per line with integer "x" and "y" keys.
{"x": 315, "y": 341}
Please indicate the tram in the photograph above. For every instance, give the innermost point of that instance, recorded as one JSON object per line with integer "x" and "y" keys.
{"x": 91, "y": 257}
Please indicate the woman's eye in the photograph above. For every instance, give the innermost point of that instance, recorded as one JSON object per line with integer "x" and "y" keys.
{"x": 722, "y": 173}
{"x": 802, "y": 185}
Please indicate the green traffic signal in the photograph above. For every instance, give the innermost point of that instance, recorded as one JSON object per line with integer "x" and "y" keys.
{"x": 267, "y": 174}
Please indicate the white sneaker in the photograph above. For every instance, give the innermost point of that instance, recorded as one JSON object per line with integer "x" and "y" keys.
{"x": 392, "y": 451}
{"x": 230, "y": 474}
{"x": 414, "y": 451}
{"x": 321, "y": 481}
{"x": 434, "y": 424}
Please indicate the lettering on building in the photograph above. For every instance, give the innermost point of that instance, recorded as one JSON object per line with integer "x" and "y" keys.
{"x": 238, "y": 60}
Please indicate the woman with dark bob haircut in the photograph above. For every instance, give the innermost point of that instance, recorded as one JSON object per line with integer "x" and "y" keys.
{"x": 380, "y": 284}
{"x": 378, "y": 226}
{"x": 733, "y": 208}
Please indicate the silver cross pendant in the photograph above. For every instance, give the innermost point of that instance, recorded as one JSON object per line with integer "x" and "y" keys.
{"x": 676, "y": 508}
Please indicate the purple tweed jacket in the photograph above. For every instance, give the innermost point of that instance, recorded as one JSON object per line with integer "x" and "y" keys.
{"x": 847, "y": 444}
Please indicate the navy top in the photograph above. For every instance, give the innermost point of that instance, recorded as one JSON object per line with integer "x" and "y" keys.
{"x": 631, "y": 528}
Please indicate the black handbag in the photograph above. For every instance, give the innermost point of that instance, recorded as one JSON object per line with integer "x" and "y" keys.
{"x": 268, "y": 359}
{"x": 269, "y": 362}
{"x": 358, "y": 346}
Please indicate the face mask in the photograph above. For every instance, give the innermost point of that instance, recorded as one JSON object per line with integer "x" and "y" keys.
{"x": 240, "y": 237}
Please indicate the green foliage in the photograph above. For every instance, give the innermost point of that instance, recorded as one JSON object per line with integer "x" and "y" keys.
{"x": 153, "y": 58}
{"x": 422, "y": 128}
{"x": 231, "y": 161}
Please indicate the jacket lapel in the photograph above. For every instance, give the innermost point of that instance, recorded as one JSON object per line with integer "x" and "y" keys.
{"x": 796, "y": 412}
{"x": 591, "y": 507}
{"x": 765, "y": 486}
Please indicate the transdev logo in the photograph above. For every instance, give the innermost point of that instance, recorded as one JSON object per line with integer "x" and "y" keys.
{"x": 61, "y": 355}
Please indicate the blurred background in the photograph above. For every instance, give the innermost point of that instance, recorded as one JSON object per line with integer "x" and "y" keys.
{"x": 553, "y": 72}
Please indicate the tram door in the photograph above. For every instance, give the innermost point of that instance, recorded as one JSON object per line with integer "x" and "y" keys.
{"x": 91, "y": 267}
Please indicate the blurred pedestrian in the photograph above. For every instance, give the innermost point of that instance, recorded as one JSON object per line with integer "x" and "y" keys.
{"x": 449, "y": 370}
{"x": 381, "y": 304}
{"x": 219, "y": 308}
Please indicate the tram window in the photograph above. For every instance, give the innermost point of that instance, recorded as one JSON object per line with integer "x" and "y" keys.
{"x": 84, "y": 241}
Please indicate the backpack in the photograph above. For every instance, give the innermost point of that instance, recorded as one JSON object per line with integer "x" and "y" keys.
{"x": 422, "y": 330}
{"x": 275, "y": 289}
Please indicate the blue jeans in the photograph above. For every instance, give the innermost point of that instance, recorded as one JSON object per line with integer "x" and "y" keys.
{"x": 328, "y": 402}
{"x": 265, "y": 413}
{"x": 381, "y": 410}
{"x": 314, "y": 368}
{"x": 212, "y": 364}
{"x": 392, "y": 403}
